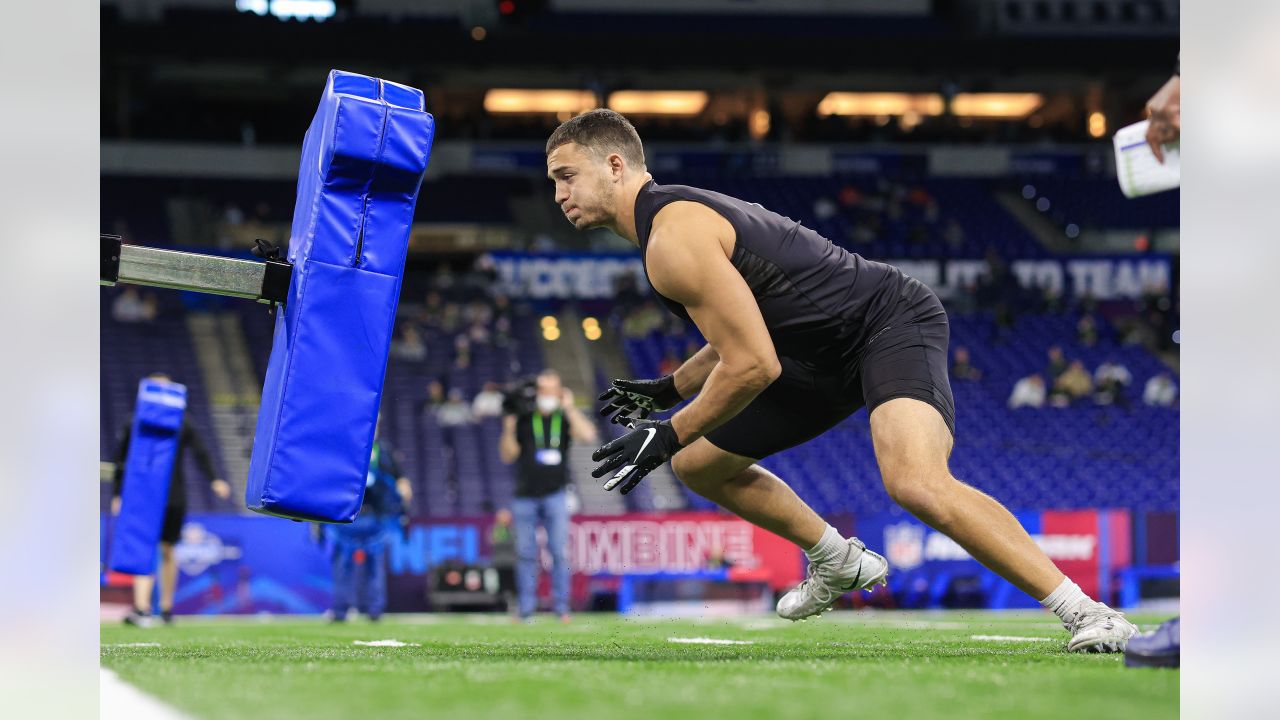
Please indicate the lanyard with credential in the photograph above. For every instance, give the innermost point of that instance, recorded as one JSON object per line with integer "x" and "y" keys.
{"x": 538, "y": 435}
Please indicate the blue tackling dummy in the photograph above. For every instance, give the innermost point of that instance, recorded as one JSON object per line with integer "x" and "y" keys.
{"x": 157, "y": 424}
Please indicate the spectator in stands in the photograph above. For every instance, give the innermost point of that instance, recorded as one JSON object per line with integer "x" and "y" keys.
{"x": 538, "y": 440}
{"x": 961, "y": 368}
{"x": 642, "y": 321}
{"x": 1028, "y": 392}
{"x": 668, "y": 364}
{"x": 433, "y": 311}
{"x": 1087, "y": 331}
{"x": 1111, "y": 380}
{"x": 132, "y": 306}
{"x": 175, "y": 513}
{"x": 461, "y": 352}
{"x": 1073, "y": 384}
{"x": 1057, "y": 363}
{"x": 454, "y": 411}
{"x": 487, "y": 402}
{"x": 1160, "y": 391}
{"x": 410, "y": 345}
{"x": 434, "y": 399}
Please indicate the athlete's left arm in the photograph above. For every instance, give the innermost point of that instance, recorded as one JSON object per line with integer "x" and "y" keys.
{"x": 687, "y": 263}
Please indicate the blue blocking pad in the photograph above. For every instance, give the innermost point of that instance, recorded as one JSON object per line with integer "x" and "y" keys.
{"x": 153, "y": 448}
{"x": 362, "y": 165}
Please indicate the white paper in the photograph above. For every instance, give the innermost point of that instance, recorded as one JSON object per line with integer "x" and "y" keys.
{"x": 1137, "y": 168}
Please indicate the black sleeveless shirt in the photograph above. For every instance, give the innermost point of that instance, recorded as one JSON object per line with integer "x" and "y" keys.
{"x": 821, "y": 303}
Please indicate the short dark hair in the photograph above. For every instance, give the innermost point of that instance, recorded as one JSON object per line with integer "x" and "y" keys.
{"x": 601, "y": 130}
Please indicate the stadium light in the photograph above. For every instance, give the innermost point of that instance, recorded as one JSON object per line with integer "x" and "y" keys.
{"x": 1097, "y": 124}
{"x": 549, "y": 321}
{"x": 508, "y": 100}
{"x": 590, "y": 322}
{"x": 865, "y": 104}
{"x": 319, "y": 10}
{"x": 1003, "y": 106}
{"x": 551, "y": 333}
{"x": 593, "y": 332}
{"x": 658, "y": 102}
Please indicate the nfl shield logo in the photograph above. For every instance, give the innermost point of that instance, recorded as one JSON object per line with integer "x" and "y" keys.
{"x": 904, "y": 545}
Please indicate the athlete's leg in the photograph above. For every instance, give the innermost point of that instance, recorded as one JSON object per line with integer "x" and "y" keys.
{"x": 143, "y": 585}
{"x": 912, "y": 443}
{"x": 168, "y": 576}
{"x": 754, "y": 494}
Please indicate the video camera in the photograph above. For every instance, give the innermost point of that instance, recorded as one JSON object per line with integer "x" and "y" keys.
{"x": 520, "y": 397}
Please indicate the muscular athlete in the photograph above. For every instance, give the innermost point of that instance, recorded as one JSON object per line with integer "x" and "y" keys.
{"x": 800, "y": 334}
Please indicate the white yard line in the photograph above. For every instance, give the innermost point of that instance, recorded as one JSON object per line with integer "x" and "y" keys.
{"x": 118, "y": 700}
{"x": 709, "y": 641}
{"x": 1010, "y": 638}
{"x": 384, "y": 643}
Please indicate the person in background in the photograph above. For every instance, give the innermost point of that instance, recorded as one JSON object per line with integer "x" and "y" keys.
{"x": 961, "y": 367}
{"x": 1161, "y": 647}
{"x": 455, "y": 410}
{"x": 410, "y": 345}
{"x": 175, "y": 513}
{"x": 502, "y": 553}
{"x": 1111, "y": 381}
{"x": 358, "y": 549}
{"x": 1160, "y": 391}
{"x": 487, "y": 402}
{"x": 131, "y": 306}
{"x": 1057, "y": 363}
{"x": 537, "y": 439}
{"x": 1087, "y": 331}
{"x": 1028, "y": 392}
{"x": 1071, "y": 385}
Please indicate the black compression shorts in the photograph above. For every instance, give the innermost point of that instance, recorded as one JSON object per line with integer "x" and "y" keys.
{"x": 901, "y": 360}
{"x": 171, "y": 529}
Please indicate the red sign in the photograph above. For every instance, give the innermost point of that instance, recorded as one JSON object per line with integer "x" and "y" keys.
{"x": 679, "y": 543}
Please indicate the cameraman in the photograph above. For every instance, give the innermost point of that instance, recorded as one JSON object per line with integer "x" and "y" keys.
{"x": 536, "y": 436}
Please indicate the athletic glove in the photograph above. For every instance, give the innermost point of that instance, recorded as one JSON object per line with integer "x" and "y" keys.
{"x": 637, "y": 399}
{"x": 649, "y": 444}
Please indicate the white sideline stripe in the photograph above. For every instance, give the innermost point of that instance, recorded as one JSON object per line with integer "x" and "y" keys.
{"x": 118, "y": 700}
{"x": 1009, "y": 638}
{"x": 384, "y": 643}
{"x": 709, "y": 641}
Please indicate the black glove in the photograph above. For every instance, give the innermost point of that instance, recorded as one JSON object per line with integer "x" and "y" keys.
{"x": 649, "y": 444}
{"x": 636, "y": 399}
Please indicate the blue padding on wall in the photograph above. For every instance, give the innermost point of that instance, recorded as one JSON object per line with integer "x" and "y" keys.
{"x": 148, "y": 467}
{"x": 362, "y": 165}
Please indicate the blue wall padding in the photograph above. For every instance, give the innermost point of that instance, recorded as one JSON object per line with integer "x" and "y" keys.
{"x": 148, "y": 467}
{"x": 363, "y": 159}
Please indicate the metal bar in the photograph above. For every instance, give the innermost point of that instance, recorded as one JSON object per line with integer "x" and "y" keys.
{"x": 191, "y": 271}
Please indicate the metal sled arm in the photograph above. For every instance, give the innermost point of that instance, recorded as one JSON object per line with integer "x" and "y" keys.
{"x": 266, "y": 282}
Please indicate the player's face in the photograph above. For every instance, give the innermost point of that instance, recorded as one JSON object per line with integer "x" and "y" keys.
{"x": 584, "y": 190}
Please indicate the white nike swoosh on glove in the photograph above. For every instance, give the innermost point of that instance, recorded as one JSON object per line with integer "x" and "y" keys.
{"x": 617, "y": 477}
{"x": 652, "y": 432}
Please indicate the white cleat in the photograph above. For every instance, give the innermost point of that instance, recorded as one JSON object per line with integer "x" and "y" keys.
{"x": 859, "y": 569}
{"x": 1096, "y": 628}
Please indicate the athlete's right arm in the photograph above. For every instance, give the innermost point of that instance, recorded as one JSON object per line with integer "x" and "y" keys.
{"x": 692, "y": 375}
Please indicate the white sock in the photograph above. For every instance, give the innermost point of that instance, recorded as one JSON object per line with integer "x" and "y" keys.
{"x": 1064, "y": 600}
{"x": 832, "y": 545}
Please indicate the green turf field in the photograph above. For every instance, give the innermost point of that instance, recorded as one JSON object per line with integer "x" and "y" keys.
{"x": 849, "y": 664}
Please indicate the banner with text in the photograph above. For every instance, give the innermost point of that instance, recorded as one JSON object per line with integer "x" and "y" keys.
{"x": 928, "y": 569}
{"x": 593, "y": 276}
